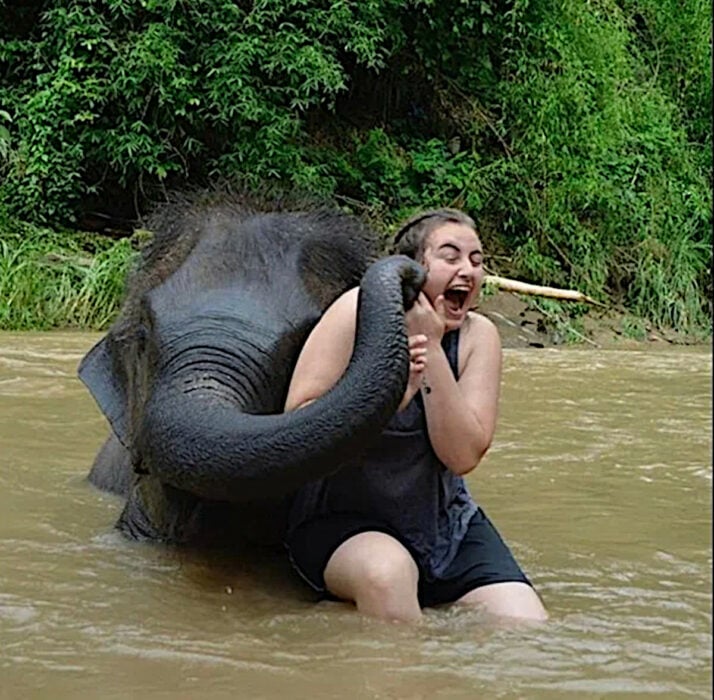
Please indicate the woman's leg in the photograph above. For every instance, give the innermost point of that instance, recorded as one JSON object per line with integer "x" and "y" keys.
{"x": 378, "y": 574}
{"x": 508, "y": 599}
{"x": 485, "y": 573}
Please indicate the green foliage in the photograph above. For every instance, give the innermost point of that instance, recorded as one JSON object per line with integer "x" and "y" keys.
{"x": 488, "y": 290}
{"x": 578, "y": 134}
{"x": 50, "y": 280}
{"x": 392, "y": 176}
{"x": 634, "y": 328}
{"x": 4, "y": 137}
{"x": 564, "y": 322}
{"x": 673, "y": 37}
{"x": 597, "y": 163}
{"x": 131, "y": 94}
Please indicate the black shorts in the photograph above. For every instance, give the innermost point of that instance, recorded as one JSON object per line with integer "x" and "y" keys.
{"x": 482, "y": 558}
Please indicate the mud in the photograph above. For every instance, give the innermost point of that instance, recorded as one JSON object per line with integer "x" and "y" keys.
{"x": 523, "y": 326}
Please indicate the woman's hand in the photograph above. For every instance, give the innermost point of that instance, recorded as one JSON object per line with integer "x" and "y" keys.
{"x": 417, "y": 356}
{"x": 417, "y": 365}
{"x": 425, "y": 319}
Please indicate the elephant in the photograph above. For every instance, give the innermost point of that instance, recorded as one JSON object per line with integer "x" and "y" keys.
{"x": 193, "y": 374}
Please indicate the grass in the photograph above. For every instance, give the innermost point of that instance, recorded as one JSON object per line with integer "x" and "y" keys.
{"x": 633, "y": 328}
{"x": 50, "y": 280}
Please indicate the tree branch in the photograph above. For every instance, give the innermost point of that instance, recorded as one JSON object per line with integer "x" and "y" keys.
{"x": 508, "y": 285}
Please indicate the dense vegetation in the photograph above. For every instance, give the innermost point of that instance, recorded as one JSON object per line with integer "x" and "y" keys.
{"x": 577, "y": 133}
{"x": 51, "y": 279}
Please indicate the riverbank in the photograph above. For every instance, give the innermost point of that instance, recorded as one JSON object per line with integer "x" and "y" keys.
{"x": 522, "y": 324}
{"x": 51, "y": 280}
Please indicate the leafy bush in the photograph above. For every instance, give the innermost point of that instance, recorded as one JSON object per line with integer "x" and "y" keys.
{"x": 604, "y": 190}
{"x": 577, "y": 134}
{"x": 128, "y": 94}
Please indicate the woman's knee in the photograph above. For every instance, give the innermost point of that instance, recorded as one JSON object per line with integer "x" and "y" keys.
{"x": 512, "y": 599}
{"x": 398, "y": 572}
{"x": 377, "y": 572}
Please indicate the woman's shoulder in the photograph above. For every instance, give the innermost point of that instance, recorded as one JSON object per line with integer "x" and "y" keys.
{"x": 478, "y": 335}
{"x": 477, "y": 324}
{"x": 344, "y": 307}
{"x": 347, "y": 300}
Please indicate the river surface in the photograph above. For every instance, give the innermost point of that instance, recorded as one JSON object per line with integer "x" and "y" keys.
{"x": 599, "y": 479}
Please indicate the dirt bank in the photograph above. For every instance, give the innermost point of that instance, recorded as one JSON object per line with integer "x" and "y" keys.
{"x": 522, "y": 326}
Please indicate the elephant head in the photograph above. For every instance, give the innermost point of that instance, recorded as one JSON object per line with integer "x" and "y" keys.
{"x": 194, "y": 373}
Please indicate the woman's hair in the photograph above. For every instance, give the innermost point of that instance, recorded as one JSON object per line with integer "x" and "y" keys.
{"x": 410, "y": 239}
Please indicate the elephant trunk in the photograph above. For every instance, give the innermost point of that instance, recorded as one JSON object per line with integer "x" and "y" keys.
{"x": 218, "y": 452}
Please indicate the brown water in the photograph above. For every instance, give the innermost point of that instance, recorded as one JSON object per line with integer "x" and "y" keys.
{"x": 600, "y": 479}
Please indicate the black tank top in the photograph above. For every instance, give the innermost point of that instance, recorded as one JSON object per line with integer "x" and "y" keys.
{"x": 400, "y": 481}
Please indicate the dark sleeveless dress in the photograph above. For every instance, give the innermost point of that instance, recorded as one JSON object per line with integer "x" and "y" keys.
{"x": 400, "y": 482}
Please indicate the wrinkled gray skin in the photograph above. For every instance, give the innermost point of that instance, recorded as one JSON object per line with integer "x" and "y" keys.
{"x": 194, "y": 373}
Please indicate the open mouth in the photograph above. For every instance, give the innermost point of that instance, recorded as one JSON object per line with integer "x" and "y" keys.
{"x": 455, "y": 299}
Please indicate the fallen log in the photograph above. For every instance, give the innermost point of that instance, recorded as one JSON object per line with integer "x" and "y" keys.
{"x": 508, "y": 285}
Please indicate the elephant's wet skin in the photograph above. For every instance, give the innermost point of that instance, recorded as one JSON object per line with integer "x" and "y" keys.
{"x": 193, "y": 375}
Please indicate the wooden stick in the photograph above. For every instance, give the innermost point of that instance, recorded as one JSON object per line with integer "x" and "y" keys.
{"x": 509, "y": 285}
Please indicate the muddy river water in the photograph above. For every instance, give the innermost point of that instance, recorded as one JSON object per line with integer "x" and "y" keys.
{"x": 599, "y": 479}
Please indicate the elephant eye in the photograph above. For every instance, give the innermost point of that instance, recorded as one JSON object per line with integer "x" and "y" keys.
{"x": 140, "y": 337}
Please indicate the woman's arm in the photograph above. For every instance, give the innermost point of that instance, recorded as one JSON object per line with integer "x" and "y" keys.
{"x": 461, "y": 415}
{"x": 326, "y": 354}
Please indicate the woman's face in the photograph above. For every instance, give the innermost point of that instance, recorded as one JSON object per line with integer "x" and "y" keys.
{"x": 453, "y": 257}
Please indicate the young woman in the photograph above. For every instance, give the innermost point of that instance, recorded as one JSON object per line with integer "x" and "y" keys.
{"x": 397, "y": 530}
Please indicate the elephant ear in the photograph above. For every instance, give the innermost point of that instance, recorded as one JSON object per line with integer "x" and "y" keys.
{"x": 104, "y": 375}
